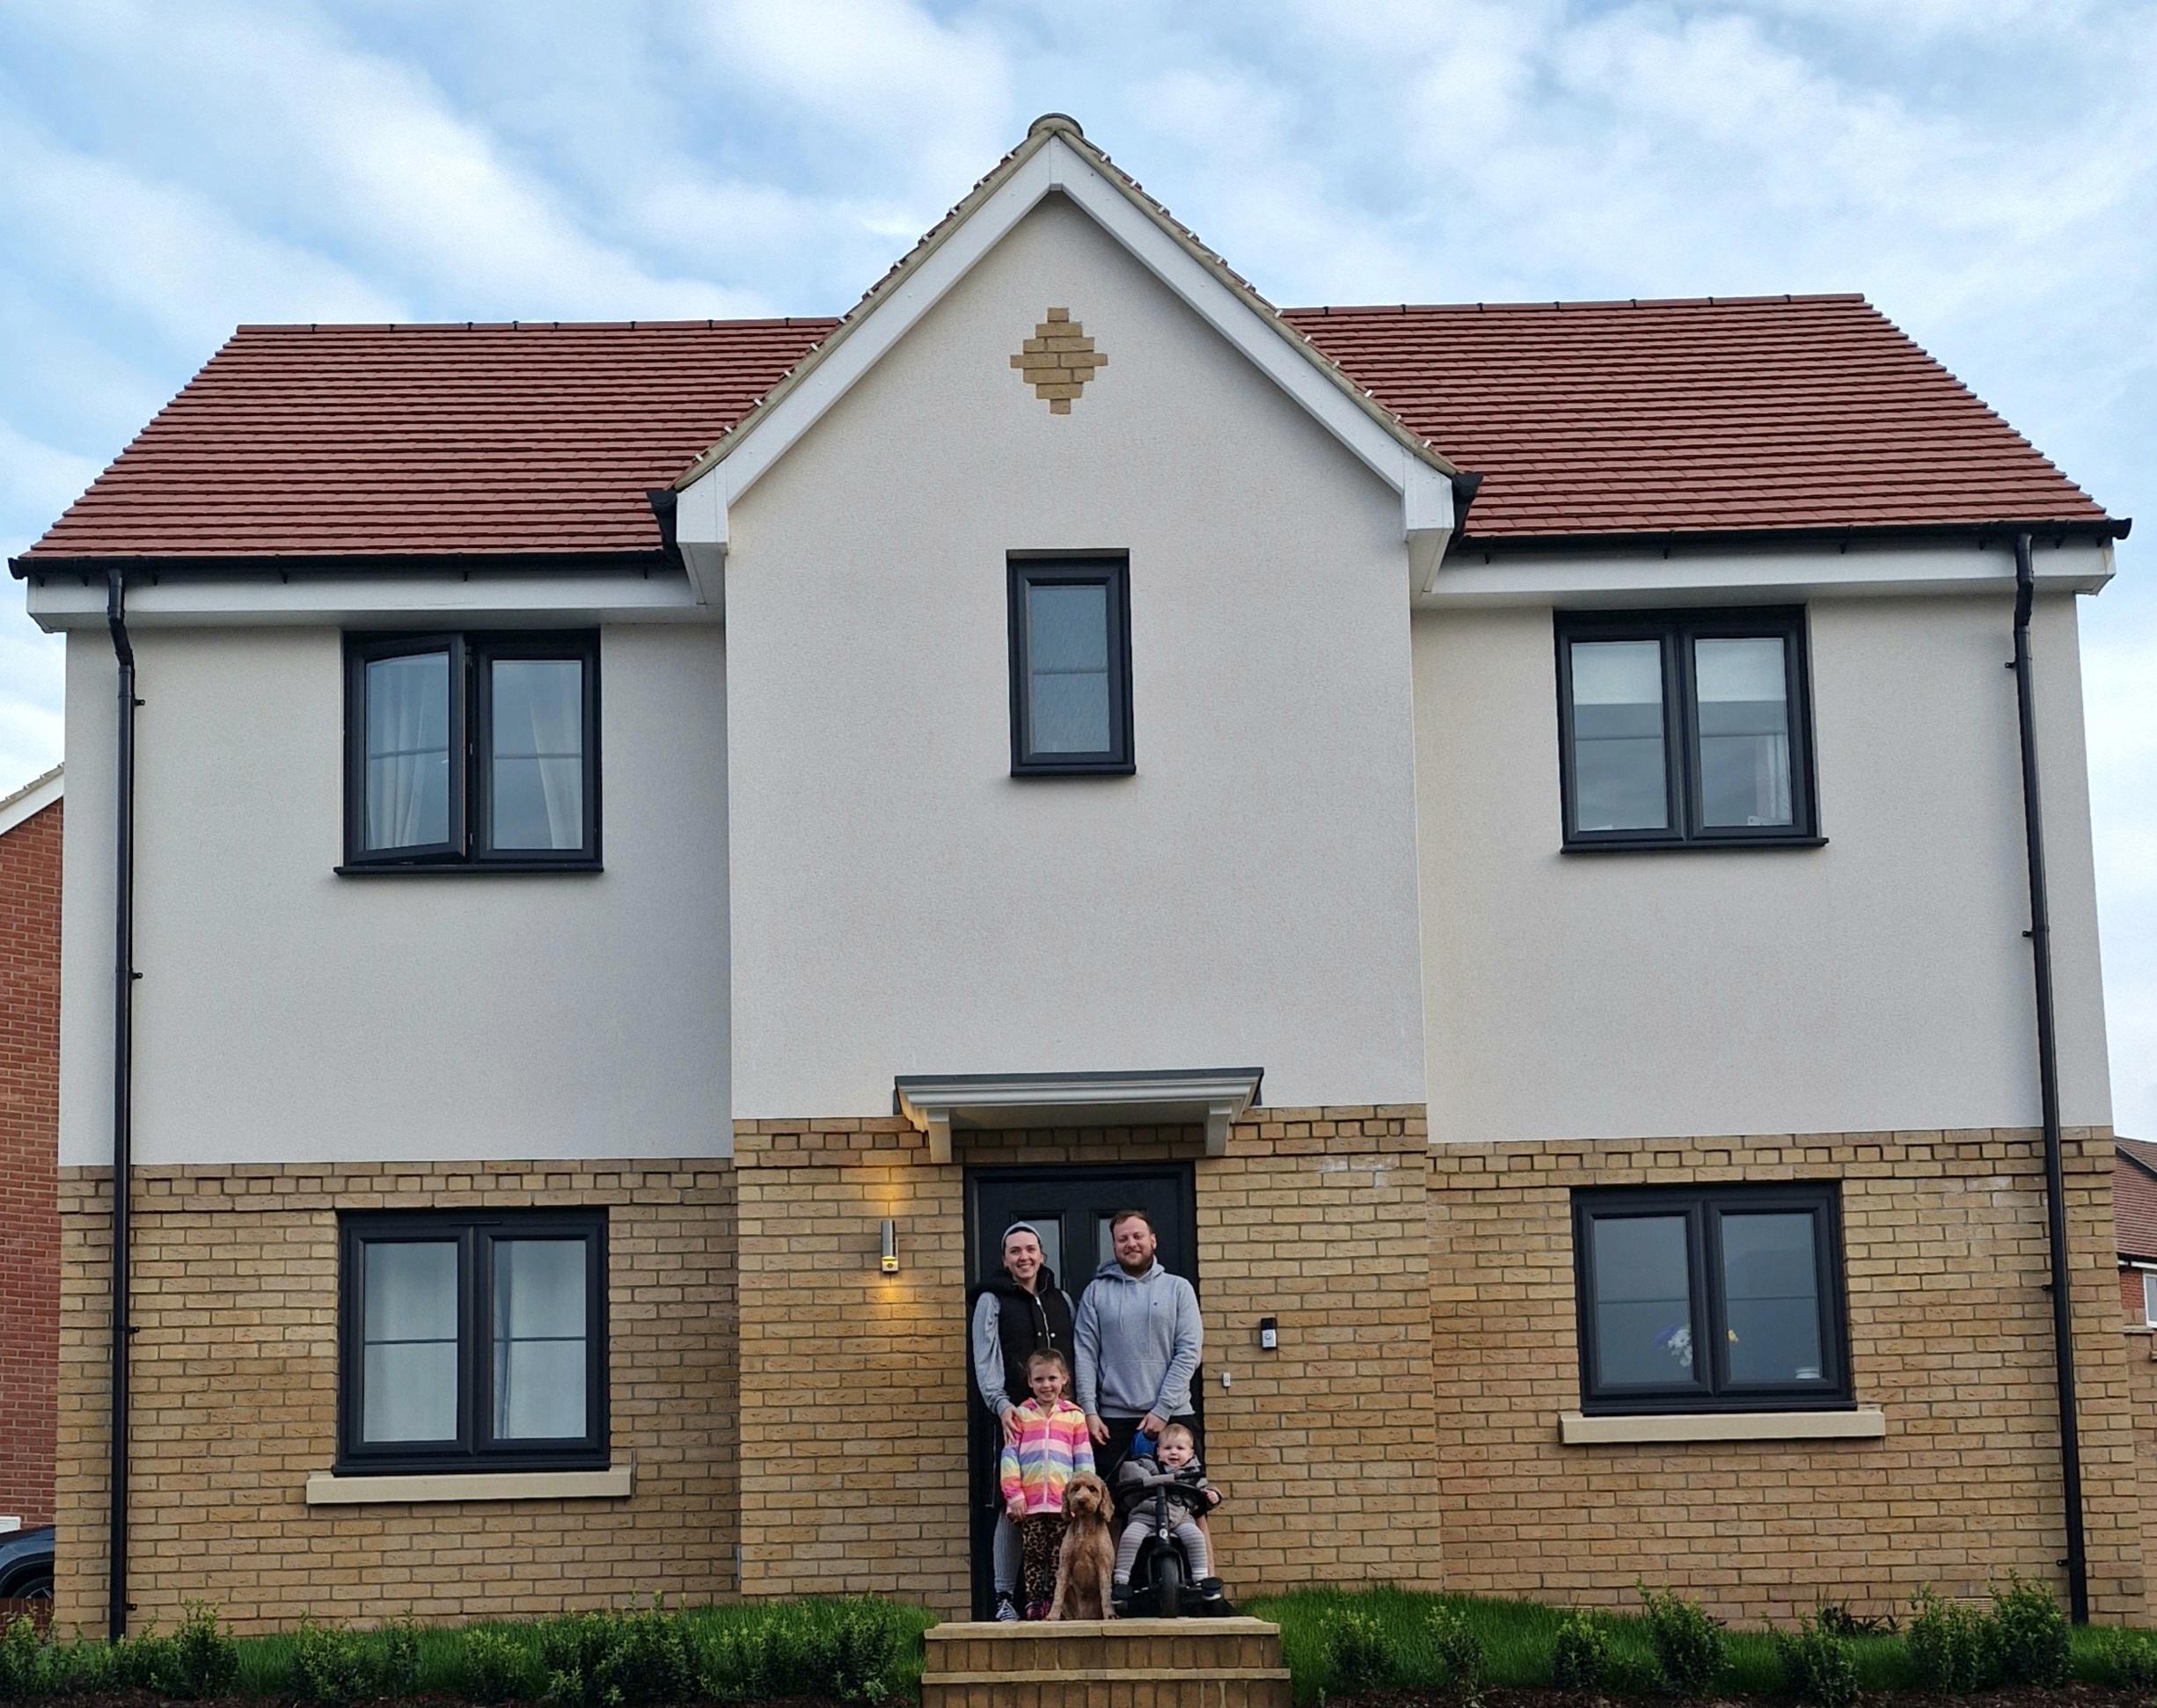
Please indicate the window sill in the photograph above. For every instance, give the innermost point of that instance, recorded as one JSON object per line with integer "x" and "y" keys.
{"x": 489, "y": 869}
{"x": 326, "y": 1489}
{"x": 1866, "y": 1423}
{"x": 1701, "y": 845}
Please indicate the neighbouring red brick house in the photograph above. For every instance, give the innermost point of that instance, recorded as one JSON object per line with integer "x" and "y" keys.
{"x": 30, "y": 830}
{"x": 2134, "y": 1219}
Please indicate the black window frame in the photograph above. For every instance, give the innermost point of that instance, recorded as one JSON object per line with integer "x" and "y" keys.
{"x": 472, "y": 656}
{"x": 1023, "y": 571}
{"x": 473, "y": 1449}
{"x": 1709, "y": 1388}
{"x": 1676, "y": 632}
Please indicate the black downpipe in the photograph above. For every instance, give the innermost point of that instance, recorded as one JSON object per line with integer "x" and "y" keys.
{"x": 123, "y": 1081}
{"x": 2048, "y": 1080}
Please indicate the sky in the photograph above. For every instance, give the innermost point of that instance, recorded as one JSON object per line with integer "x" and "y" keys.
{"x": 1984, "y": 170}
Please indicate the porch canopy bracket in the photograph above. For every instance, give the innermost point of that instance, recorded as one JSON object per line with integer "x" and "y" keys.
{"x": 1172, "y": 1097}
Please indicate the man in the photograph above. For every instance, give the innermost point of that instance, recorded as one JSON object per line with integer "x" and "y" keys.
{"x": 1138, "y": 1339}
{"x": 1015, "y": 1314}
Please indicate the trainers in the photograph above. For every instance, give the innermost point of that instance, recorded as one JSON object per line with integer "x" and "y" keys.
{"x": 1213, "y": 1599}
{"x": 1037, "y": 1610}
{"x": 1120, "y": 1599}
{"x": 1007, "y": 1610}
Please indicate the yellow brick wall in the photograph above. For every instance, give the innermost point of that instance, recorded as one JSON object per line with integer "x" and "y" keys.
{"x": 235, "y": 1374}
{"x": 1316, "y": 1217}
{"x": 1950, "y": 1331}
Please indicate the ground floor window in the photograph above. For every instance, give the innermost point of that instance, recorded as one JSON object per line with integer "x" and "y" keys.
{"x": 1714, "y": 1298}
{"x": 472, "y": 1342}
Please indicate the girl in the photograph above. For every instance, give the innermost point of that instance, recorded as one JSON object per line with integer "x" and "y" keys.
{"x": 1049, "y": 1447}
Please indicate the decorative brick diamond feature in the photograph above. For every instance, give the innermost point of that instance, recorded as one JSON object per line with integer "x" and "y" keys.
{"x": 1058, "y": 361}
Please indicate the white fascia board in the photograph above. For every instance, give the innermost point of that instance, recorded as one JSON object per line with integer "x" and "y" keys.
{"x": 1215, "y": 1095}
{"x": 1426, "y": 491}
{"x": 33, "y": 801}
{"x": 1604, "y": 576}
{"x": 60, "y": 601}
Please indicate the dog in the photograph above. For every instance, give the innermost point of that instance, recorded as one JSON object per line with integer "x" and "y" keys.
{"x": 1087, "y": 1558}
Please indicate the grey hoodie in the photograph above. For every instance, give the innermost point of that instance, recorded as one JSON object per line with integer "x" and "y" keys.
{"x": 1139, "y": 1341}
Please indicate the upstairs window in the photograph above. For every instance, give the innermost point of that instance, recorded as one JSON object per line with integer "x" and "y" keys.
{"x": 1720, "y": 1298}
{"x": 472, "y": 751}
{"x": 1685, "y": 729}
{"x": 1070, "y": 667}
{"x": 473, "y": 1342}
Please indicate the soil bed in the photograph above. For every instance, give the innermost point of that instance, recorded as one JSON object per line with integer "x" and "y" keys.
{"x": 2066, "y": 1696}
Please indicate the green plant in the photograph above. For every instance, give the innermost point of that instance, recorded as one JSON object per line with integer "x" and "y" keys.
{"x": 397, "y": 1672}
{"x": 1947, "y": 1645}
{"x": 1458, "y": 1646}
{"x": 1819, "y": 1663}
{"x": 22, "y": 1661}
{"x": 328, "y": 1664}
{"x": 1359, "y": 1653}
{"x": 846, "y": 1648}
{"x": 497, "y": 1666}
{"x": 2129, "y": 1659}
{"x": 1838, "y": 1619}
{"x": 1688, "y": 1642}
{"x": 204, "y": 1659}
{"x": 145, "y": 1662}
{"x": 2028, "y": 1633}
{"x": 1580, "y": 1655}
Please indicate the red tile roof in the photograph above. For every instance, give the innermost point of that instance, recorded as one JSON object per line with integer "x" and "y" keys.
{"x": 1585, "y": 418}
{"x": 1711, "y": 414}
{"x": 2134, "y": 1199}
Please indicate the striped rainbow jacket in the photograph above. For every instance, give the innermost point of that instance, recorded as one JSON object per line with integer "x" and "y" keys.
{"x": 1051, "y": 1446}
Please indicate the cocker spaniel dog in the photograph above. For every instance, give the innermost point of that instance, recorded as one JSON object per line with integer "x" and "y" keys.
{"x": 1088, "y": 1558}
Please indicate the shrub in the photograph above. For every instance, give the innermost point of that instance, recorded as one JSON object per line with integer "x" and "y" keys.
{"x": 204, "y": 1658}
{"x": 1819, "y": 1663}
{"x": 1359, "y": 1655}
{"x": 1946, "y": 1644}
{"x": 145, "y": 1662}
{"x": 1458, "y": 1646}
{"x": 497, "y": 1666}
{"x": 398, "y": 1673}
{"x": 846, "y": 1648}
{"x": 617, "y": 1661}
{"x": 2028, "y": 1633}
{"x": 1838, "y": 1619}
{"x": 328, "y": 1664}
{"x": 1688, "y": 1643}
{"x": 2129, "y": 1659}
{"x": 22, "y": 1661}
{"x": 1580, "y": 1655}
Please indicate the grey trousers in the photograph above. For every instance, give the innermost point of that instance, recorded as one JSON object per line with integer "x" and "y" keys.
{"x": 1004, "y": 1556}
{"x": 1187, "y": 1533}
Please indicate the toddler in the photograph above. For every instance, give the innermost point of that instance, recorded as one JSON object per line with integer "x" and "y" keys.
{"x": 1190, "y": 1496}
{"x": 1052, "y": 1447}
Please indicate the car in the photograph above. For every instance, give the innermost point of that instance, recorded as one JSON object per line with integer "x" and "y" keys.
{"x": 25, "y": 1568}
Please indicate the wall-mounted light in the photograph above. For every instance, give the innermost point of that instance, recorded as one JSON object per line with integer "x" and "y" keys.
{"x": 889, "y": 1261}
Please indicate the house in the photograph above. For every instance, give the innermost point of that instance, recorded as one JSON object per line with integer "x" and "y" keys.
{"x": 2134, "y": 1220}
{"x": 1503, "y": 828}
{"x": 30, "y": 839}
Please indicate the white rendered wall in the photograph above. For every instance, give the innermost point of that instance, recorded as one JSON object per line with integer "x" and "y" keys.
{"x": 1881, "y": 983}
{"x": 901, "y": 903}
{"x": 288, "y": 1014}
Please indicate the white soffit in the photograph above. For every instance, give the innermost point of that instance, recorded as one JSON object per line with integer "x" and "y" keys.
{"x": 1175, "y": 1096}
{"x": 31, "y": 799}
{"x": 1055, "y": 160}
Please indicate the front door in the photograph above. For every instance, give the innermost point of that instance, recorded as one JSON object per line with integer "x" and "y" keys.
{"x": 1072, "y": 1206}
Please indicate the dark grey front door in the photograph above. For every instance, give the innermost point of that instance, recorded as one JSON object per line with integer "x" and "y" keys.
{"x": 1072, "y": 1208}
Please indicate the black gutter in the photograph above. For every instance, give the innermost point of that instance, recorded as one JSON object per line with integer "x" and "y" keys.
{"x": 2040, "y": 935}
{"x": 123, "y": 1080}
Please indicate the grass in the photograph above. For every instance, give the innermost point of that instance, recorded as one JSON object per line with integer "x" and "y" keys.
{"x": 1517, "y": 1638}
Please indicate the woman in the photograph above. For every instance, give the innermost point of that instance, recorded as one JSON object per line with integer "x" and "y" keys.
{"x": 1015, "y": 1313}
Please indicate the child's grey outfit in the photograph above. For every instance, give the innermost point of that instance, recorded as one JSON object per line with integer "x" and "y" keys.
{"x": 1185, "y": 1498}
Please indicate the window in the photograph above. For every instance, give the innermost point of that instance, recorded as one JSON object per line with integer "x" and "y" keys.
{"x": 1724, "y": 1298}
{"x": 472, "y": 751}
{"x": 2149, "y": 1299}
{"x": 473, "y": 1343}
{"x": 1685, "y": 729}
{"x": 1070, "y": 667}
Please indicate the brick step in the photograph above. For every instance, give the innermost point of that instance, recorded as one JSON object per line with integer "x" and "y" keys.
{"x": 1109, "y": 1663}
{"x": 1256, "y": 1687}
